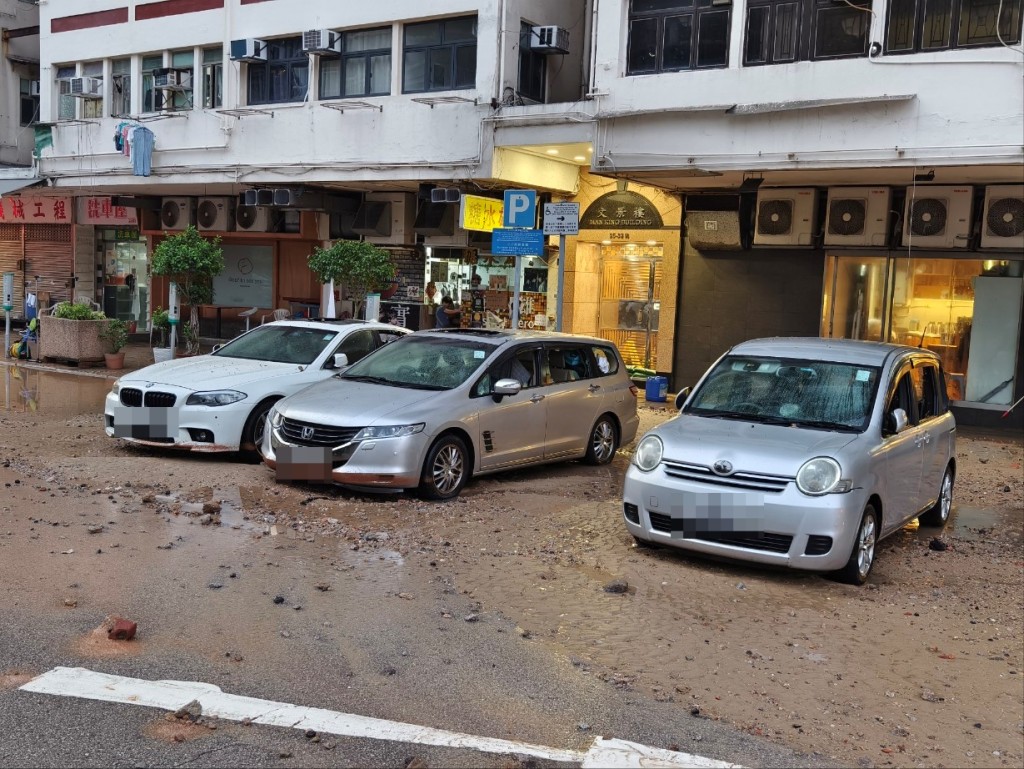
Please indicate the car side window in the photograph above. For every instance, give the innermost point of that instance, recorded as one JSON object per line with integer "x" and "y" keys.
{"x": 389, "y": 336}
{"x": 931, "y": 401}
{"x": 521, "y": 365}
{"x": 565, "y": 363}
{"x": 902, "y": 398}
{"x": 607, "y": 361}
{"x": 356, "y": 345}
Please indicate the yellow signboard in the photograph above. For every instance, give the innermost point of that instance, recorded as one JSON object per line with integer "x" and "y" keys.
{"x": 481, "y": 214}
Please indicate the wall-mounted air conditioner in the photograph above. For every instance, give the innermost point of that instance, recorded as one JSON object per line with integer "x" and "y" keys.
{"x": 249, "y": 49}
{"x": 937, "y": 217}
{"x": 1002, "y": 224}
{"x": 549, "y": 40}
{"x": 445, "y": 195}
{"x": 215, "y": 214}
{"x": 857, "y": 216}
{"x": 87, "y": 87}
{"x": 786, "y": 217}
{"x": 172, "y": 79}
{"x": 321, "y": 41}
{"x": 252, "y": 219}
{"x": 387, "y": 218}
{"x": 175, "y": 213}
{"x": 33, "y": 88}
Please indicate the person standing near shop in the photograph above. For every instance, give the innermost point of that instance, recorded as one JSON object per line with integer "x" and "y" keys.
{"x": 447, "y": 315}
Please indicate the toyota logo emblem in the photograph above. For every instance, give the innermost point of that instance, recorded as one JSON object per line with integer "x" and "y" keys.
{"x": 722, "y": 467}
{"x": 307, "y": 433}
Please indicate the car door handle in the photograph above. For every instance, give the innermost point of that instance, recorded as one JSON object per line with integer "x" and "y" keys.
{"x": 594, "y": 388}
{"x": 537, "y": 398}
{"x": 927, "y": 438}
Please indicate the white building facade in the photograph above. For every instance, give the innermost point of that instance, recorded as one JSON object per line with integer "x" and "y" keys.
{"x": 19, "y": 85}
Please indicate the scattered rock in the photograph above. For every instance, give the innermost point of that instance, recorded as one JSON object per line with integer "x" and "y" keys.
{"x": 617, "y": 586}
{"x": 472, "y": 618}
{"x": 122, "y": 630}
{"x": 191, "y": 712}
{"x": 95, "y": 528}
{"x": 278, "y": 599}
{"x": 323, "y": 587}
{"x": 210, "y": 508}
{"x": 206, "y": 519}
{"x": 215, "y": 586}
{"x": 937, "y": 544}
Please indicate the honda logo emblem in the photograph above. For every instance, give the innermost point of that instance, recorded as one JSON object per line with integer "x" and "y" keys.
{"x": 722, "y": 467}
{"x": 307, "y": 433}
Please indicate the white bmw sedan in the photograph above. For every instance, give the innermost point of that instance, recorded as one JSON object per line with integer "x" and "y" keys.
{"x": 219, "y": 402}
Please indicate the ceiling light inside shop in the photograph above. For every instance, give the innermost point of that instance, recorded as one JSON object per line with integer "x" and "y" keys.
{"x": 580, "y": 158}
{"x": 652, "y": 242}
{"x": 606, "y": 242}
{"x": 552, "y": 151}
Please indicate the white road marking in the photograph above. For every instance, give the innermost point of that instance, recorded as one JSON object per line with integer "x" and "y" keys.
{"x": 172, "y": 695}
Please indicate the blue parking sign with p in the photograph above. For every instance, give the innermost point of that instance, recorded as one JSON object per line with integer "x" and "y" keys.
{"x": 520, "y": 208}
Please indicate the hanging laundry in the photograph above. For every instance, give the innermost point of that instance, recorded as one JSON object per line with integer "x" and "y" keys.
{"x": 143, "y": 141}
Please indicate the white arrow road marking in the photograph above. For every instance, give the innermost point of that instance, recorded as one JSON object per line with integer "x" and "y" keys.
{"x": 172, "y": 695}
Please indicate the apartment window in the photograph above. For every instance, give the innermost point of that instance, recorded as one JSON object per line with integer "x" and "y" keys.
{"x": 29, "y": 104}
{"x": 120, "y": 87}
{"x": 284, "y": 77}
{"x": 364, "y": 68}
{"x": 213, "y": 77}
{"x": 93, "y": 107}
{"x": 65, "y": 101}
{"x": 440, "y": 55}
{"x": 673, "y": 35}
{"x": 180, "y": 97}
{"x": 938, "y": 25}
{"x": 152, "y": 98}
{"x": 781, "y": 31}
{"x": 533, "y": 67}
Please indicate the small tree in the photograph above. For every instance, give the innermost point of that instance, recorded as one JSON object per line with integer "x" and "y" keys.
{"x": 360, "y": 266}
{"x": 191, "y": 261}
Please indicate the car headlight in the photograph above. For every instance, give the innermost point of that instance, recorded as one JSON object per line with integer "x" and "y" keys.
{"x": 115, "y": 389}
{"x": 214, "y": 398}
{"x": 648, "y": 453}
{"x": 388, "y": 431}
{"x": 821, "y": 475}
{"x": 276, "y": 417}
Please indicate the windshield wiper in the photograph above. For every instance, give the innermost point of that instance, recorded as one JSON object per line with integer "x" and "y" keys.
{"x": 370, "y": 379}
{"x": 825, "y": 425}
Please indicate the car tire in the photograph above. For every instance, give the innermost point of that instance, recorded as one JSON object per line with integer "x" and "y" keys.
{"x": 445, "y": 470}
{"x": 603, "y": 442}
{"x": 862, "y": 555}
{"x": 252, "y": 433}
{"x": 938, "y": 514}
{"x": 645, "y": 544}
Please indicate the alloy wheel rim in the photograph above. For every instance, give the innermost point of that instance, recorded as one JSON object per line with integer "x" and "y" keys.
{"x": 447, "y": 469}
{"x": 604, "y": 440}
{"x": 866, "y": 547}
{"x": 946, "y": 501}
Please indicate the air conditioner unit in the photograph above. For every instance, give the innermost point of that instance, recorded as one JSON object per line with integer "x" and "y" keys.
{"x": 87, "y": 87}
{"x": 713, "y": 230}
{"x": 433, "y": 219}
{"x": 33, "y": 88}
{"x": 252, "y": 219}
{"x": 445, "y": 195}
{"x": 248, "y": 49}
{"x": 172, "y": 79}
{"x": 216, "y": 214}
{"x": 321, "y": 41}
{"x": 549, "y": 40}
{"x": 387, "y": 218}
{"x": 857, "y": 216}
{"x": 1002, "y": 224}
{"x": 937, "y": 217}
{"x": 786, "y": 217}
{"x": 175, "y": 213}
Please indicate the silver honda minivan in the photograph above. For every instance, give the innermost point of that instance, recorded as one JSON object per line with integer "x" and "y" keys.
{"x": 435, "y": 407}
{"x": 800, "y": 452}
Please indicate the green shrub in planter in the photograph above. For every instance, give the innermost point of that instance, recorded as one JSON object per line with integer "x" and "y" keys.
{"x": 77, "y": 311}
{"x": 72, "y": 332}
{"x": 115, "y": 334}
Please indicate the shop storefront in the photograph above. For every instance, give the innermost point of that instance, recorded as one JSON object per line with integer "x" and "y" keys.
{"x": 36, "y": 245}
{"x": 122, "y": 283}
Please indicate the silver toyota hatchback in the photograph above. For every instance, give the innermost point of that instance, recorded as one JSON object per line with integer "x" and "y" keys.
{"x": 798, "y": 452}
{"x": 430, "y": 410}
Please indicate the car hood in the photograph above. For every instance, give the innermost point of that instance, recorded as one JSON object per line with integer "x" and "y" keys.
{"x": 210, "y": 372}
{"x": 749, "y": 446}
{"x": 348, "y": 403}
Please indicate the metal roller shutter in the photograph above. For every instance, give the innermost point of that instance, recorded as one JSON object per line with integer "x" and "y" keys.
{"x": 49, "y": 254}
{"x": 11, "y": 256}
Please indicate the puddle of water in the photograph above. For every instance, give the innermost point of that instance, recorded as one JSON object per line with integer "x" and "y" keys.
{"x": 61, "y": 395}
{"x": 976, "y": 523}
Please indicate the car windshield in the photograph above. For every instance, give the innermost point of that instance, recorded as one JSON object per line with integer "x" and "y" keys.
{"x": 279, "y": 344}
{"x": 424, "y": 362}
{"x": 810, "y": 393}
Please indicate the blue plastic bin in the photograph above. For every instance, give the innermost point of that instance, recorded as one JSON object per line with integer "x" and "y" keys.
{"x": 657, "y": 389}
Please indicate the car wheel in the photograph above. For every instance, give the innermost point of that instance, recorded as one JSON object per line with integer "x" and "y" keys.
{"x": 252, "y": 433}
{"x": 604, "y": 440}
{"x": 862, "y": 556}
{"x": 446, "y": 469}
{"x": 938, "y": 514}
{"x": 645, "y": 544}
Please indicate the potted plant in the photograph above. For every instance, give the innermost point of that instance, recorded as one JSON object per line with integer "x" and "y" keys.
{"x": 73, "y": 333}
{"x": 161, "y": 325}
{"x": 360, "y": 266}
{"x": 192, "y": 262}
{"x": 116, "y": 336}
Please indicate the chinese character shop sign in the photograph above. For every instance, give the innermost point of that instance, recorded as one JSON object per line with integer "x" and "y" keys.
{"x": 621, "y": 210}
{"x": 103, "y": 211}
{"x": 35, "y": 210}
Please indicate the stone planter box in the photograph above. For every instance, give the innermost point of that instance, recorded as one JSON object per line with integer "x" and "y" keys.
{"x": 77, "y": 341}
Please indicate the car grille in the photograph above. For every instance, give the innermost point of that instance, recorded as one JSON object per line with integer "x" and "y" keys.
{"x": 131, "y": 396}
{"x": 750, "y": 540}
{"x": 738, "y": 480}
{"x": 291, "y": 430}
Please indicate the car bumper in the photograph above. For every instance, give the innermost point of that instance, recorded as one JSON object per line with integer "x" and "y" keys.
{"x": 784, "y": 528}
{"x": 387, "y": 463}
{"x": 191, "y": 428}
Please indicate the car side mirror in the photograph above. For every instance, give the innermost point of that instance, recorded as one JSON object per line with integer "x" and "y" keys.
{"x": 681, "y": 397}
{"x": 340, "y": 360}
{"x": 216, "y": 347}
{"x": 899, "y": 421}
{"x": 505, "y": 387}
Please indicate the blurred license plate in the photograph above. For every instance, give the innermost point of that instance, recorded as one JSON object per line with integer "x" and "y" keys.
{"x": 304, "y": 463}
{"x": 718, "y": 513}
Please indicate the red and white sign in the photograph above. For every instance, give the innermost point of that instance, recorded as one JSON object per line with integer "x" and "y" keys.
{"x": 35, "y": 210}
{"x": 102, "y": 211}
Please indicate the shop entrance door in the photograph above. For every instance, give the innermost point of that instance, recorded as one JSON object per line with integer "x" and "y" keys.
{"x": 854, "y": 305}
{"x": 631, "y": 301}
